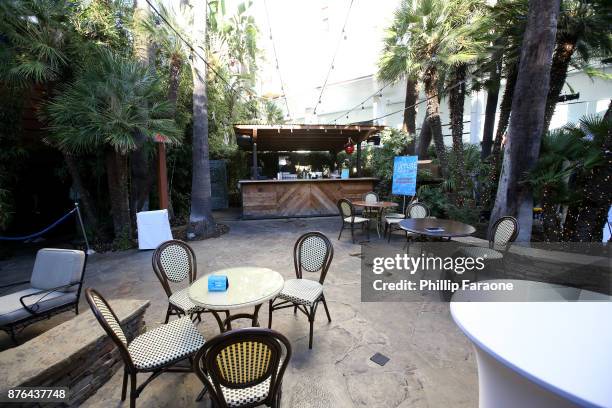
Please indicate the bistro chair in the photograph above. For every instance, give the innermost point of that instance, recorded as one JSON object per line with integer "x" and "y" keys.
{"x": 155, "y": 351}
{"x": 414, "y": 210}
{"x": 370, "y": 197}
{"x": 174, "y": 262}
{"x": 244, "y": 367}
{"x": 501, "y": 236}
{"x": 54, "y": 287}
{"x": 350, "y": 219}
{"x": 313, "y": 252}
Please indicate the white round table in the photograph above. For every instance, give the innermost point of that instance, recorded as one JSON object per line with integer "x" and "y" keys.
{"x": 247, "y": 286}
{"x": 540, "y": 354}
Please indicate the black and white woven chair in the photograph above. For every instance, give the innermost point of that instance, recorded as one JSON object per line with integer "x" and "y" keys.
{"x": 244, "y": 368}
{"x": 174, "y": 262}
{"x": 313, "y": 252}
{"x": 414, "y": 210}
{"x": 350, "y": 219}
{"x": 501, "y": 235}
{"x": 155, "y": 351}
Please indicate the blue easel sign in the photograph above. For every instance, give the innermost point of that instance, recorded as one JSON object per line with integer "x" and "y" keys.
{"x": 405, "y": 175}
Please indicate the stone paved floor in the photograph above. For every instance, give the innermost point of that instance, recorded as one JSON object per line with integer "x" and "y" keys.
{"x": 432, "y": 363}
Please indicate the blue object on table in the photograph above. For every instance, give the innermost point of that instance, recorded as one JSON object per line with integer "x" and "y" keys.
{"x": 344, "y": 174}
{"x": 217, "y": 283}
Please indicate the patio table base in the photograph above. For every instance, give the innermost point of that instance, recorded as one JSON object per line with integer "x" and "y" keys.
{"x": 226, "y": 324}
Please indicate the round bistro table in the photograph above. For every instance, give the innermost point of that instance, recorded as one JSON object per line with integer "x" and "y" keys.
{"x": 551, "y": 353}
{"x": 380, "y": 205}
{"x": 450, "y": 228}
{"x": 248, "y": 286}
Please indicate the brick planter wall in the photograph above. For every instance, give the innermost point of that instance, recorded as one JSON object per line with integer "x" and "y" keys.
{"x": 76, "y": 354}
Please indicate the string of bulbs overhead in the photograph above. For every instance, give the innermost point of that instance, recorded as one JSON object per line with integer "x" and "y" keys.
{"x": 331, "y": 67}
{"x": 280, "y": 77}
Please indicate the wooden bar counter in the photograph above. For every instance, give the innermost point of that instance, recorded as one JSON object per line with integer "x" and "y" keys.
{"x": 301, "y": 197}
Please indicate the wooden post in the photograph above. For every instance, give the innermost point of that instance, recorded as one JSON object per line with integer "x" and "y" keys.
{"x": 254, "y": 169}
{"x": 359, "y": 159}
{"x": 162, "y": 176}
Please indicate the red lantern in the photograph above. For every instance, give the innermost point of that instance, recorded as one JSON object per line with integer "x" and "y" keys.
{"x": 349, "y": 147}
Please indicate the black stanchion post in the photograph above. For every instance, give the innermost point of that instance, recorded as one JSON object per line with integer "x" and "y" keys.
{"x": 88, "y": 251}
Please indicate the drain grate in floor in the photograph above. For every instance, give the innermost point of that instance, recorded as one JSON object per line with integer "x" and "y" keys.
{"x": 380, "y": 359}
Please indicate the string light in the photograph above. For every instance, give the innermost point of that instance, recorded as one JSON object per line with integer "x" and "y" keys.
{"x": 342, "y": 36}
{"x": 280, "y": 77}
{"x": 379, "y": 91}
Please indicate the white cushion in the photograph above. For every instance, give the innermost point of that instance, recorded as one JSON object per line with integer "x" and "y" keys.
{"x": 395, "y": 215}
{"x": 301, "y": 291}
{"x": 165, "y": 344}
{"x": 481, "y": 252}
{"x": 239, "y": 397}
{"x": 356, "y": 219}
{"x": 181, "y": 300}
{"x": 393, "y": 220}
{"x": 11, "y": 309}
{"x": 57, "y": 267}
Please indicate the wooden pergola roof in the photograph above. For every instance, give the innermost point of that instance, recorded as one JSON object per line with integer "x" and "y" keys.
{"x": 302, "y": 137}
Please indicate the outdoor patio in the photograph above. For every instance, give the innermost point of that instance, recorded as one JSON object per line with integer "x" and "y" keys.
{"x": 431, "y": 362}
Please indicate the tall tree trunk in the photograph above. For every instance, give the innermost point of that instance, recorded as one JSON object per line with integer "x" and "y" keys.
{"x": 142, "y": 168}
{"x": 409, "y": 125}
{"x": 456, "y": 101}
{"x": 505, "y": 108}
{"x": 430, "y": 79}
{"x": 201, "y": 222}
{"x": 118, "y": 188}
{"x": 176, "y": 64}
{"x": 526, "y": 126}
{"x": 491, "y": 109}
{"x": 424, "y": 140}
{"x": 585, "y": 221}
{"x": 558, "y": 74}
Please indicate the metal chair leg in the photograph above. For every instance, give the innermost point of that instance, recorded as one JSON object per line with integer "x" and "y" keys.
{"x": 326, "y": 309}
{"x": 311, "y": 321}
{"x": 167, "y": 315}
{"x": 341, "y": 229}
{"x": 353, "y": 232}
{"x": 125, "y": 380}
{"x": 133, "y": 395}
{"x": 270, "y": 314}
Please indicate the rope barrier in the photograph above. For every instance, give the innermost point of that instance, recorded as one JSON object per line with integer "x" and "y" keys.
{"x": 39, "y": 233}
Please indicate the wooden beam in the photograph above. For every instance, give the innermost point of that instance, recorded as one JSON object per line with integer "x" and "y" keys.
{"x": 162, "y": 176}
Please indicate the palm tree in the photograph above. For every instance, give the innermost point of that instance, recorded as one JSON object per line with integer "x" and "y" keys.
{"x": 174, "y": 51}
{"x": 583, "y": 28}
{"x": 40, "y": 41}
{"x": 427, "y": 23}
{"x": 526, "y": 125}
{"x": 201, "y": 221}
{"x": 429, "y": 32}
{"x": 140, "y": 164}
{"x": 509, "y": 19}
{"x": 109, "y": 102}
{"x": 394, "y": 66}
{"x": 465, "y": 46}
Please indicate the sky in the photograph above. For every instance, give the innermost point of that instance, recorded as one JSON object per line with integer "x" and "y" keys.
{"x": 307, "y": 34}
